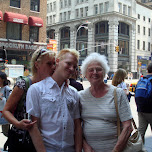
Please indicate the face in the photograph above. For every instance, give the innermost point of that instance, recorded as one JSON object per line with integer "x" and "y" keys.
{"x": 94, "y": 73}
{"x": 67, "y": 66}
{"x": 46, "y": 66}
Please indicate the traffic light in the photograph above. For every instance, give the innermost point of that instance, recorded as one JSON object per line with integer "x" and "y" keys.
{"x": 117, "y": 48}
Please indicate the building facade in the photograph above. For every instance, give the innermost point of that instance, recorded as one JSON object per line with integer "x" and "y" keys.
{"x": 100, "y": 26}
{"x": 23, "y": 29}
{"x": 147, "y": 2}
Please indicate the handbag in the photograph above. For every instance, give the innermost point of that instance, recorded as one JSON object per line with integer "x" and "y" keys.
{"x": 134, "y": 143}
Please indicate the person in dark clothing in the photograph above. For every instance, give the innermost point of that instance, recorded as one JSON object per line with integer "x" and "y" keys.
{"x": 144, "y": 109}
{"x": 74, "y": 83}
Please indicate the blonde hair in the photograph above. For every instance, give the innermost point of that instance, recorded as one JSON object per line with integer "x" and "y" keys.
{"x": 62, "y": 53}
{"x": 119, "y": 76}
{"x": 39, "y": 58}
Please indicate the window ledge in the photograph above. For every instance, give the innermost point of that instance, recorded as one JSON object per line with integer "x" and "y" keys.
{"x": 15, "y": 7}
{"x": 34, "y": 12}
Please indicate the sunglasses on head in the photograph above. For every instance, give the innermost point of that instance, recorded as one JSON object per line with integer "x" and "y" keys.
{"x": 41, "y": 52}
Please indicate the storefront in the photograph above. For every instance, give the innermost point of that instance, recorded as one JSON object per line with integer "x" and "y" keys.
{"x": 19, "y": 52}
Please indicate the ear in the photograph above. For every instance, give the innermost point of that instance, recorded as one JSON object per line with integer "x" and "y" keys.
{"x": 57, "y": 61}
{"x": 36, "y": 65}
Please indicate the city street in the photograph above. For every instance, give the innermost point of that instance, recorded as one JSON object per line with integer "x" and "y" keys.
{"x": 148, "y": 142}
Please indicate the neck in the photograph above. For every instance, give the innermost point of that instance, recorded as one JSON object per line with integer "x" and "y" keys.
{"x": 59, "y": 80}
{"x": 37, "y": 78}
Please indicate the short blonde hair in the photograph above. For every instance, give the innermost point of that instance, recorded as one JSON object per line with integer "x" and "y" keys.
{"x": 39, "y": 58}
{"x": 62, "y": 53}
{"x": 95, "y": 57}
{"x": 119, "y": 76}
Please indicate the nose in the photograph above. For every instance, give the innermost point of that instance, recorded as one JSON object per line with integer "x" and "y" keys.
{"x": 94, "y": 70}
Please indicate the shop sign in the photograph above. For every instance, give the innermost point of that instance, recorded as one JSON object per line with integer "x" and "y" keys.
{"x": 52, "y": 45}
{"x": 144, "y": 57}
{"x": 20, "y": 46}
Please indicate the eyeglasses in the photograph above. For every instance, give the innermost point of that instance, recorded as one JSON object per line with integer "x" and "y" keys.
{"x": 91, "y": 70}
{"x": 41, "y": 52}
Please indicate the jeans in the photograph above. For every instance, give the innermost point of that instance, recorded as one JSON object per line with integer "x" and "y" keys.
{"x": 144, "y": 119}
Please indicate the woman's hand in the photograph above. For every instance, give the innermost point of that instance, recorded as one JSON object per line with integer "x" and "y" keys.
{"x": 86, "y": 147}
{"x": 25, "y": 124}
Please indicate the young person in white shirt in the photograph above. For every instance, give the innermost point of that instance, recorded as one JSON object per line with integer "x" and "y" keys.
{"x": 54, "y": 105}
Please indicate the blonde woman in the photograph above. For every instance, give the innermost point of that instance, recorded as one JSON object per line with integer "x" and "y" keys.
{"x": 42, "y": 66}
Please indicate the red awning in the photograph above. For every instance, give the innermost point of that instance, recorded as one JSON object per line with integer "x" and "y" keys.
{"x": 35, "y": 21}
{"x": 15, "y": 18}
{"x": 1, "y": 16}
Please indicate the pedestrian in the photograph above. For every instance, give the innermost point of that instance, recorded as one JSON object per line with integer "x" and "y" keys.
{"x": 54, "y": 105}
{"x": 74, "y": 83}
{"x": 144, "y": 103}
{"x": 106, "y": 78}
{"x": 98, "y": 109}
{"x": 5, "y": 91}
{"x": 112, "y": 75}
{"x": 42, "y": 66}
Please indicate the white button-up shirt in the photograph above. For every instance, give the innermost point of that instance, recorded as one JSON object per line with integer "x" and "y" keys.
{"x": 57, "y": 108}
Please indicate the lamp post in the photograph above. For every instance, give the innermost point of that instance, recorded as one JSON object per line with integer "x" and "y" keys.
{"x": 81, "y": 26}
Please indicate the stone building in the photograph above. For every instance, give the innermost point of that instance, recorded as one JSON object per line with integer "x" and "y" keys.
{"x": 22, "y": 28}
{"x": 100, "y": 26}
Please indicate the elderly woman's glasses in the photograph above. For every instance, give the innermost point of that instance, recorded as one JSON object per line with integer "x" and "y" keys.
{"x": 91, "y": 70}
{"x": 41, "y": 52}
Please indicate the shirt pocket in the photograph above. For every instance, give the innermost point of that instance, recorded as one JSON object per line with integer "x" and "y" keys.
{"x": 71, "y": 103}
{"x": 49, "y": 103}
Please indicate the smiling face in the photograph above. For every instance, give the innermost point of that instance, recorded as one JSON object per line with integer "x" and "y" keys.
{"x": 67, "y": 65}
{"x": 95, "y": 73}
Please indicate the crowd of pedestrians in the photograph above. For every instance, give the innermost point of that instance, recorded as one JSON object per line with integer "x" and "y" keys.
{"x": 51, "y": 112}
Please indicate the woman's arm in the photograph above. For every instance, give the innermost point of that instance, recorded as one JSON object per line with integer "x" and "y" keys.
{"x": 124, "y": 136}
{"x": 87, "y": 147}
{"x": 10, "y": 106}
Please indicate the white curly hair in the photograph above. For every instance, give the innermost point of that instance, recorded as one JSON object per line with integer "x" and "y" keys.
{"x": 95, "y": 57}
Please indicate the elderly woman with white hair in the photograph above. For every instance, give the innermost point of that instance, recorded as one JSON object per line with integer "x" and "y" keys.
{"x": 98, "y": 109}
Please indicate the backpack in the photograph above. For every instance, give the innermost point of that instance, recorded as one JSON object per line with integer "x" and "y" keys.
{"x": 144, "y": 88}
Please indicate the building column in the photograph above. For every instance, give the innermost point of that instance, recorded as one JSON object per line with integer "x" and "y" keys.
{"x": 57, "y": 38}
{"x": 132, "y": 48}
{"x": 113, "y": 41}
{"x": 72, "y": 37}
{"x": 90, "y": 38}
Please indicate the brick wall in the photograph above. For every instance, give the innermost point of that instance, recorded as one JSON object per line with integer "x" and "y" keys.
{"x": 25, "y": 9}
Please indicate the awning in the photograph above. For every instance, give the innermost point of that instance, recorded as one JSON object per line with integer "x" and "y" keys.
{"x": 35, "y": 21}
{"x": 15, "y": 18}
{"x": 1, "y": 16}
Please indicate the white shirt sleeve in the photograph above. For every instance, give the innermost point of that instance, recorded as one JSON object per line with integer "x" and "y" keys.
{"x": 32, "y": 101}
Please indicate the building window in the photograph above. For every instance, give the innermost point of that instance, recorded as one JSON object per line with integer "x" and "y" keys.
{"x": 54, "y": 6}
{"x": 148, "y": 46}
{"x": 14, "y": 31}
{"x": 35, "y": 5}
{"x": 15, "y": 3}
{"x": 138, "y": 28}
{"x": 81, "y": 10}
{"x": 120, "y": 7}
{"x": 101, "y": 28}
{"x": 124, "y": 9}
{"x": 77, "y": 1}
{"x": 47, "y": 20}
{"x": 101, "y": 8}
{"x": 123, "y": 28}
{"x": 61, "y": 4}
{"x": 61, "y": 17}
{"x": 64, "y": 16}
{"x": 95, "y": 9}
{"x": 138, "y": 44}
{"x": 86, "y": 11}
{"x": 106, "y": 6}
{"x": 144, "y": 31}
{"x": 69, "y": 2}
{"x": 143, "y": 18}
{"x": 148, "y": 31}
{"x": 54, "y": 16}
{"x": 69, "y": 15}
{"x": 34, "y": 33}
{"x": 129, "y": 11}
{"x": 47, "y": 8}
{"x": 77, "y": 13}
{"x": 143, "y": 45}
{"x": 138, "y": 16}
{"x": 50, "y": 19}
{"x": 149, "y": 20}
{"x": 50, "y": 7}
{"x": 65, "y": 3}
